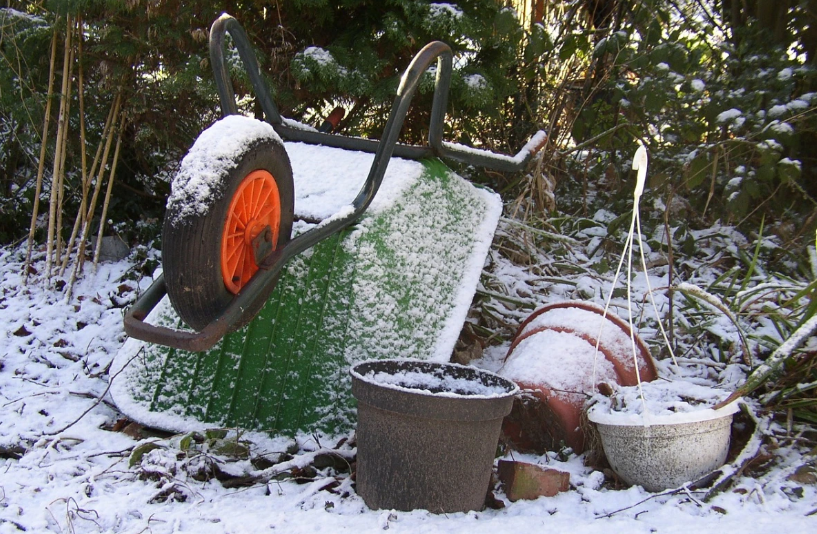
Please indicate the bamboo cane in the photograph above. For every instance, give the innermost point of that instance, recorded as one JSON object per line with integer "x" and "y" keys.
{"x": 82, "y": 215}
{"x": 52, "y": 210}
{"x": 89, "y": 214}
{"x": 86, "y": 225}
{"x": 108, "y": 192}
{"x": 83, "y": 156}
{"x": 41, "y": 164}
{"x": 64, "y": 142}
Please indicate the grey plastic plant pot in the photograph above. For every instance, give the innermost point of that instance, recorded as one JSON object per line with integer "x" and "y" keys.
{"x": 667, "y": 455}
{"x": 427, "y": 433}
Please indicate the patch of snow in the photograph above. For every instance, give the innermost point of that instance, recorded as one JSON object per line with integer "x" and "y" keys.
{"x": 793, "y": 162}
{"x": 535, "y": 141}
{"x": 326, "y": 185}
{"x": 483, "y": 234}
{"x": 780, "y": 127}
{"x": 476, "y": 82}
{"x": 512, "y": 11}
{"x": 439, "y": 384}
{"x": 604, "y": 216}
{"x": 697, "y": 85}
{"x": 592, "y": 326}
{"x": 11, "y": 13}
{"x": 728, "y": 116}
{"x": 437, "y": 11}
{"x": 770, "y": 144}
{"x": 797, "y": 105}
{"x": 785, "y": 74}
{"x": 298, "y": 125}
{"x": 320, "y": 55}
{"x": 777, "y": 111}
{"x": 561, "y": 361}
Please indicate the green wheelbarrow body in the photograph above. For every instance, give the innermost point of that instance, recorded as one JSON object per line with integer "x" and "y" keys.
{"x": 397, "y": 284}
{"x": 386, "y": 268}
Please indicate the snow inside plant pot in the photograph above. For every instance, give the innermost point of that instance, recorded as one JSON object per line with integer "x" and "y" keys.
{"x": 428, "y": 378}
{"x": 427, "y": 433}
{"x": 666, "y": 434}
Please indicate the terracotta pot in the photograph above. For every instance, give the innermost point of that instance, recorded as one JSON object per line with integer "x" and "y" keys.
{"x": 622, "y": 354}
{"x": 561, "y": 411}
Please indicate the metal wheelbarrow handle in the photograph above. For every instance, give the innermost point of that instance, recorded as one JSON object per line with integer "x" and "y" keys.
{"x": 135, "y": 325}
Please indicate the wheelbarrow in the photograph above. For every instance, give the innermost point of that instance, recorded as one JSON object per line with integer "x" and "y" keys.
{"x": 377, "y": 275}
{"x": 214, "y": 297}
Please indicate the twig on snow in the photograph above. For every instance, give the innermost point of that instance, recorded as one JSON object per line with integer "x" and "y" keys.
{"x": 302, "y": 461}
{"x": 17, "y": 525}
{"x": 642, "y": 501}
{"x": 99, "y": 400}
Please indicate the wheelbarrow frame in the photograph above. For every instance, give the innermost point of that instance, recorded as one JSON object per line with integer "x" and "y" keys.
{"x": 247, "y": 297}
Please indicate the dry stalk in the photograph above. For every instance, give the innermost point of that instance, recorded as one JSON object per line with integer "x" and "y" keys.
{"x": 712, "y": 182}
{"x": 670, "y": 271}
{"x": 86, "y": 185}
{"x": 41, "y": 165}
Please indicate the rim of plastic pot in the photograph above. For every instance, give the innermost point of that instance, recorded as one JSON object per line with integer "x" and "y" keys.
{"x": 632, "y": 419}
{"x": 373, "y": 383}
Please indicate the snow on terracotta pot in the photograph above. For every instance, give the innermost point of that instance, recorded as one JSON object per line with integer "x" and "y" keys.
{"x": 665, "y": 436}
{"x": 553, "y": 358}
{"x": 589, "y": 322}
{"x": 427, "y": 433}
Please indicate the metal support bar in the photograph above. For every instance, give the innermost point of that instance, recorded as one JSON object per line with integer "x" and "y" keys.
{"x": 226, "y": 24}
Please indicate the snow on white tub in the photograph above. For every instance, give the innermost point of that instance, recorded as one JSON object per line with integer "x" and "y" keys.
{"x": 396, "y": 284}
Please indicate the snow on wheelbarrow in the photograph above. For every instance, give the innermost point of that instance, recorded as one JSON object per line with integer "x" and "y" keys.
{"x": 283, "y": 264}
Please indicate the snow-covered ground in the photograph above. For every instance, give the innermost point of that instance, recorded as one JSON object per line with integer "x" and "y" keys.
{"x": 67, "y": 459}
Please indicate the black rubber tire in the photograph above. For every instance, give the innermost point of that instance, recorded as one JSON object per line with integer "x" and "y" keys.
{"x": 191, "y": 245}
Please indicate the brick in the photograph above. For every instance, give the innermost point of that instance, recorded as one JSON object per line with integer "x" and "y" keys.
{"x": 530, "y": 481}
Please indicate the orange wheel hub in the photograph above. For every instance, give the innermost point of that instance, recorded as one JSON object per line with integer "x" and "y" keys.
{"x": 255, "y": 206}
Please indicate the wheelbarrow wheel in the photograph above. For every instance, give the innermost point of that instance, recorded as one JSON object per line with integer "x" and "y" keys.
{"x": 208, "y": 258}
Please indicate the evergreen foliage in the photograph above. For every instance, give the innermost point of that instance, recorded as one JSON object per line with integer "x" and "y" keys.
{"x": 597, "y": 75}
{"x": 728, "y": 117}
{"x": 24, "y": 42}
